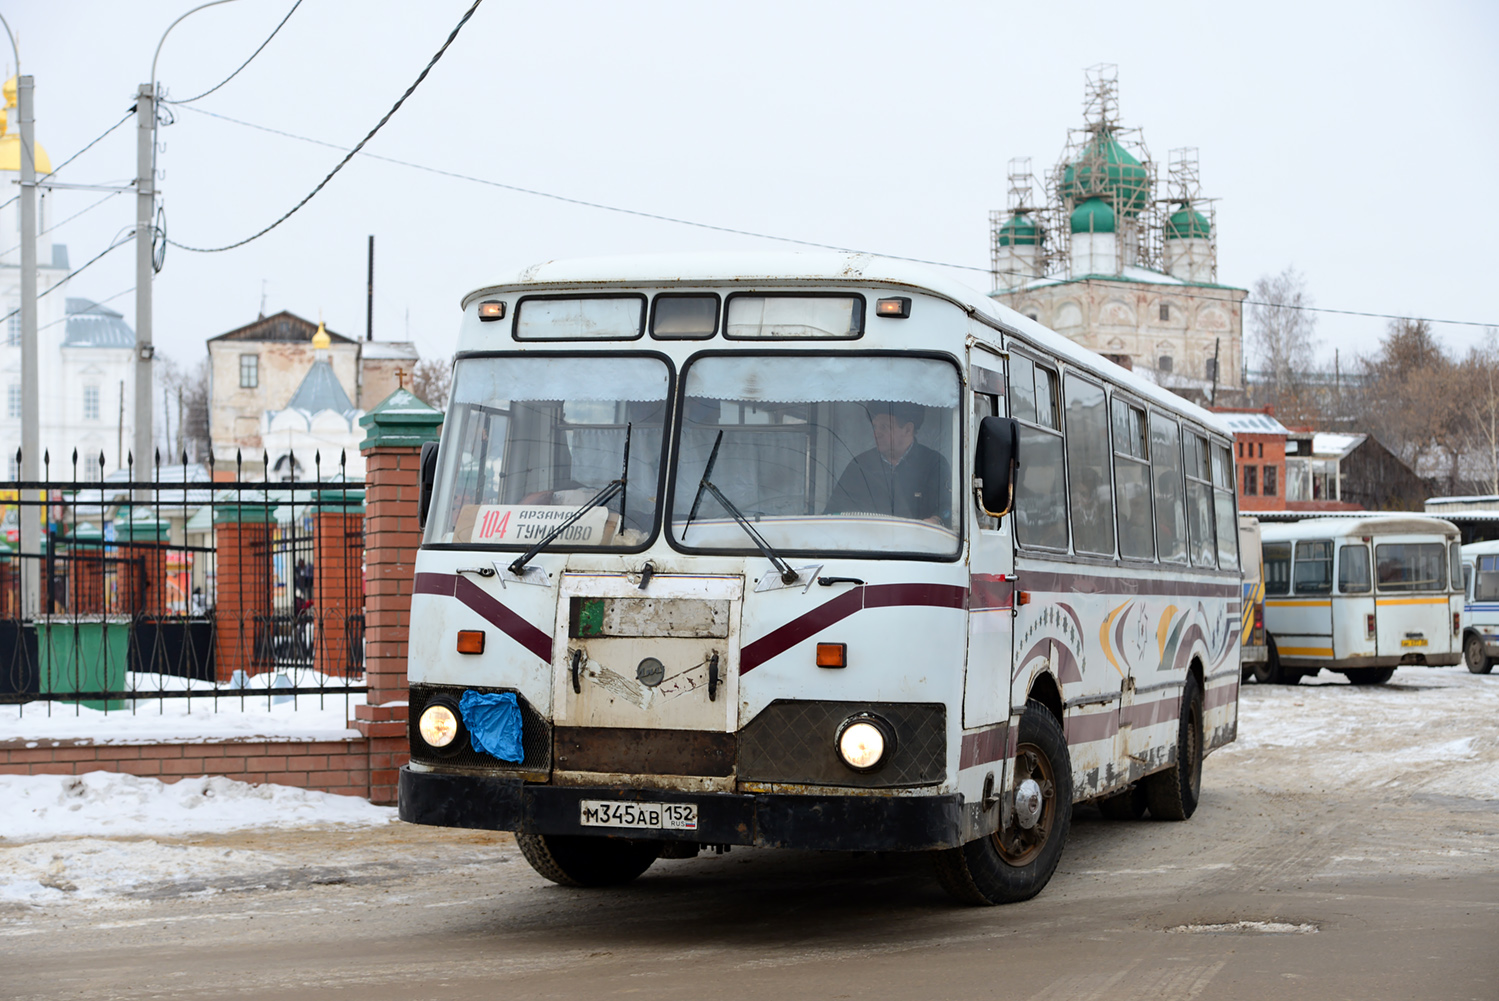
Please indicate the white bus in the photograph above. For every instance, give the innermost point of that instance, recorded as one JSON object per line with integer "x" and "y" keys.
{"x": 1361, "y": 595}
{"x": 1253, "y": 654}
{"x": 1480, "y": 630}
{"x": 809, "y": 551}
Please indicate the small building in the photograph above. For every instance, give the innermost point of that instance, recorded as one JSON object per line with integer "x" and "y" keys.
{"x": 1475, "y": 515}
{"x": 1327, "y": 471}
{"x": 1260, "y": 447}
{"x": 317, "y": 429}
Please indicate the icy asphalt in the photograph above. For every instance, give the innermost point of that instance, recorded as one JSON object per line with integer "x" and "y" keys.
{"x": 1346, "y": 846}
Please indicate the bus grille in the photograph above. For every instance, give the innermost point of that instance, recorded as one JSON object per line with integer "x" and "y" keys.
{"x": 792, "y": 742}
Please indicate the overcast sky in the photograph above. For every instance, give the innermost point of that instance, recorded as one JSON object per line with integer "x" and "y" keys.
{"x": 1356, "y": 143}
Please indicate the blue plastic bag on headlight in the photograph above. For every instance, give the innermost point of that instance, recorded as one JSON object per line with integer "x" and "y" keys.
{"x": 494, "y": 724}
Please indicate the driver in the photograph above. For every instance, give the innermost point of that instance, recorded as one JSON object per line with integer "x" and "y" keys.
{"x": 899, "y": 476}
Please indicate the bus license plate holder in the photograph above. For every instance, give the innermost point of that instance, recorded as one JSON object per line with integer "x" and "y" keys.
{"x": 1413, "y": 642}
{"x": 637, "y": 816}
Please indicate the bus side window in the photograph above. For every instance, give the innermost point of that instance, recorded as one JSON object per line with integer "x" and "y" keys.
{"x": 1455, "y": 565}
{"x": 1486, "y": 579}
{"x": 1223, "y": 508}
{"x": 1090, "y": 493}
{"x": 1313, "y": 567}
{"x": 1166, "y": 472}
{"x": 1199, "y": 502}
{"x": 1041, "y": 486}
{"x": 1132, "y": 482}
{"x": 1276, "y": 559}
{"x": 1353, "y": 570}
{"x": 1468, "y": 580}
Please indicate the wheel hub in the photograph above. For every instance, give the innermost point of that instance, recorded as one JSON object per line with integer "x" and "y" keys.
{"x": 1028, "y": 803}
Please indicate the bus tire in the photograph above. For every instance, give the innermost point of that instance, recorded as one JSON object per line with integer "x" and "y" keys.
{"x": 1369, "y": 675}
{"x": 1268, "y": 671}
{"x": 1009, "y": 866}
{"x": 1172, "y": 794}
{"x": 571, "y": 860}
{"x": 1474, "y": 656}
{"x": 1127, "y": 805}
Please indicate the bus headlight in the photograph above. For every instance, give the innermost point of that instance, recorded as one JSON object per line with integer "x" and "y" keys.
{"x": 438, "y": 726}
{"x": 865, "y": 742}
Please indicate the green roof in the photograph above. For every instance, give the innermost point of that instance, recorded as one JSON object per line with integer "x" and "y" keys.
{"x": 1187, "y": 223}
{"x": 1093, "y": 216}
{"x": 1020, "y": 231}
{"x": 1107, "y": 170}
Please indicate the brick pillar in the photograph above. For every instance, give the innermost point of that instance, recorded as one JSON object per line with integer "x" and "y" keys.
{"x": 398, "y": 427}
{"x": 142, "y": 574}
{"x": 86, "y": 571}
{"x": 242, "y": 599}
{"x": 338, "y": 589}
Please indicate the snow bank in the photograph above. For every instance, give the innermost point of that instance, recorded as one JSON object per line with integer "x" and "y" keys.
{"x": 88, "y": 870}
{"x": 109, "y": 804}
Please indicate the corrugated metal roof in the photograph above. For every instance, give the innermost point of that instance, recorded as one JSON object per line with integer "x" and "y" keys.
{"x": 90, "y": 325}
{"x": 1253, "y": 423}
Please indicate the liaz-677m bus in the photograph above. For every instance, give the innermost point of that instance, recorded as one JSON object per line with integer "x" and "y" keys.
{"x": 1480, "y": 628}
{"x": 1361, "y": 595}
{"x": 809, "y": 551}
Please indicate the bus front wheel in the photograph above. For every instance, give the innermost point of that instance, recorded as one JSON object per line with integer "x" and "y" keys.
{"x": 1016, "y": 862}
{"x": 1172, "y": 794}
{"x": 1473, "y": 654}
{"x": 583, "y": 861}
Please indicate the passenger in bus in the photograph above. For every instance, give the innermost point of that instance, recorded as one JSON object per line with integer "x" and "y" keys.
{"x": 899, "y": 476}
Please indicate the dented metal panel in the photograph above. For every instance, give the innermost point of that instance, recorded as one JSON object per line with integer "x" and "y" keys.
{"x": 634, "y": 617}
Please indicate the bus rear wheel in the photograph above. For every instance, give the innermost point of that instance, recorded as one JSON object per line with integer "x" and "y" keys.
{"x": 1172, "y": 794}
{"x": 1473, "y": 655}
{"x": 1369, "y": 675}
{"x": 1269, "y": 671}
{"x": 1015, "y": 863}
{"x": 571, "y": 860}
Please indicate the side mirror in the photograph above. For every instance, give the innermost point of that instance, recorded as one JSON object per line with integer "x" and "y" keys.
{"x": 428, "y": 473}
{"x": 994, "y": 464}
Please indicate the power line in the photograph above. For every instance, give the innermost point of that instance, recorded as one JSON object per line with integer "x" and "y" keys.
{"x": 85, "y": 149}
{"x": 767, "y": 236}
{"x": 242, "y": 65}
{"x": 76, "y": 271}
{"x": 378, "y": 126}
{"x": 101, "y": 302}
{"x": 59, "y": 225}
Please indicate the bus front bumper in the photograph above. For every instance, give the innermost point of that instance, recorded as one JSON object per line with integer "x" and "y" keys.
{"x": 814, "y": 822}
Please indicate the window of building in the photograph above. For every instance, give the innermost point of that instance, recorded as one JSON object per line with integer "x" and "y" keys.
{"x": 249, "y": 371}
{"x": 1262, "y": 451}
{"x": 14, "y": 466}
{"x": 91, "y": 471}
{"x": 1251, "y": 481}
{"x": 1268, "y": 482}
{"x": 13, "y": 400}
{"x": 1210, "y": 369}
{"x": 13, "y": 329}
{"x": 1165, "y": 311}
{"x": 90, "y": 403}
{"x": 1164, "y": 364}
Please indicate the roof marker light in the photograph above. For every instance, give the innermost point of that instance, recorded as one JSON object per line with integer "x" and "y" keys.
{"x": 491, "y": 309}
{"x": 898, "y": 307}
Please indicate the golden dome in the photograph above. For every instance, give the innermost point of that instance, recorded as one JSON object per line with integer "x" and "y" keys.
{"x": 320, "y": 340}
{"x": 10, "y": 142}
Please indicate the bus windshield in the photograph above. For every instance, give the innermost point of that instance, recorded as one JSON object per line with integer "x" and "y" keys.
{"x": 821, "y": 453}
{"x": 529, "y": 440}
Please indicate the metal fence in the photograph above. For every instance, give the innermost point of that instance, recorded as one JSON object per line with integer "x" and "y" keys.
{"x": 192, "y": 583}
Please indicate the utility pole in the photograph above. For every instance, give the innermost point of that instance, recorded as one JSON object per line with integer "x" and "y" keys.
{"x": 33, "y": 517}
{"x": 145, "y": 209}
{"x": 369, "y": 292}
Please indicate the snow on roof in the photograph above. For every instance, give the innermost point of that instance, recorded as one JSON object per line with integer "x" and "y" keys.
{"x": 383, "y": 350}
{"x": 1362, "y": 523}
{"x": 1490, "y": 500}
{"x": 1253, "y": 423}
{"x": 1327, "y": 443}
{"x": 831, "y": 268}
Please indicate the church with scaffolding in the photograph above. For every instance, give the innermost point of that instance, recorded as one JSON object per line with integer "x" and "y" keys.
{"x": 1110, "y": 256}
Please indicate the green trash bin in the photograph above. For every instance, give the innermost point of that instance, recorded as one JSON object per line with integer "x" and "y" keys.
{"x": 84, "y": 655}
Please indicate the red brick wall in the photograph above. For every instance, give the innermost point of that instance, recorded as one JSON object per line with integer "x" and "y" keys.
{"x": 243, "y": 596}
{"x": 391, "y": 538}
{"x": 336, "y": 766}
{"x": 1261, "y": 451}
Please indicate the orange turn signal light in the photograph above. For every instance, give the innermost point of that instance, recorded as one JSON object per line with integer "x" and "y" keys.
{"x": 493, "y": 309}
{"x": 898, "y": 307}
{"x": 832, "y": 655}
{"x": 470, "y": 641}
{"x": 1022, "y": 597}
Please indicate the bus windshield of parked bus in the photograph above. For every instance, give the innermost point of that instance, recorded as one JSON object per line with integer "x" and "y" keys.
{"x": 529, "y": 440}
{"x": 820, "y": 453}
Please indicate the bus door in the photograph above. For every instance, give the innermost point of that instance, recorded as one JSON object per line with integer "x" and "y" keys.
{"x": 1355, "y": 626}
{"x": 991, "y": 569}
{"x": 1306, "y": 618}
{"x": 1413, "y": 614}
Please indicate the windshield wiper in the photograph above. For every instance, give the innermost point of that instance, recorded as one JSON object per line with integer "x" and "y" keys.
{"x": 788, "y": 575}
{"x": 518, "y": 566}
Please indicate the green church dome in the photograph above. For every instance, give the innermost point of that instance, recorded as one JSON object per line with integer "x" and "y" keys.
{"x": 1018, "y": 231}
{"x": 1107, "y": 170}
{"x": 1093, "y": 216}
{"x": 1187, "y": 223}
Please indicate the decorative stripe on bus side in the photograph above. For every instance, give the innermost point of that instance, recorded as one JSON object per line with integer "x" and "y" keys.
{"x": 783, "y": 638}
{"x": 989, "y": 592}
{"x": 983, "y": 746}
{"x": 1081, "y": 583}
{"x": 1297, "y": 603}
{"x": 496, "y": 614}
{"x": 1305, "y": 651}
{"x": 1441, "y": 600}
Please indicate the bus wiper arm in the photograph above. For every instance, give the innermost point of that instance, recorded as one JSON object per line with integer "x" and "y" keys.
{"x": 518, "y": 565}
{"x": 788, "y": 575}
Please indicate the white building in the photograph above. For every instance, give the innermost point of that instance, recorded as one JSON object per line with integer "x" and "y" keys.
{"x": 319, "y": 424}
{"x": 85, "y": 364}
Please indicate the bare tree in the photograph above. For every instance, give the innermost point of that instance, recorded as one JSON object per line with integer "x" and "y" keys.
{"x": 186, "y": 389}
{"x": 1415, "y": 400}
{"x": 1481, "y": 387}
{"x": 431, "y": 381}
{"x": 1283, "y": 335}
